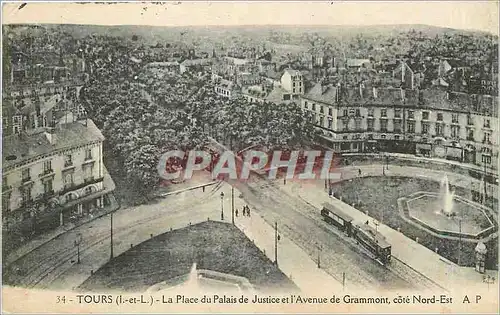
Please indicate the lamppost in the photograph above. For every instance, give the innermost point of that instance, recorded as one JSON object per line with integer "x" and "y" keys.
{"x": 277, "y": 237}
{"x": 459, "y": 240}
{"x": 78, "y": 241}
{"x": 320, "y": 249}
{"x": 222, "y": 206}
{"x": 232, "y": 204}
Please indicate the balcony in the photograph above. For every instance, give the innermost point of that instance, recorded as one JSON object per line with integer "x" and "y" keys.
{"x": 470, "y": 138}
{"x": 26, "y": 180}
{"x": 88, "y": 181}
{"x": 68, "y": 164}
{"x": 46, "y": 173}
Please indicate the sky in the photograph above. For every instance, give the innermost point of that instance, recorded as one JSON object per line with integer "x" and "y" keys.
{"x": 471, "y": 15}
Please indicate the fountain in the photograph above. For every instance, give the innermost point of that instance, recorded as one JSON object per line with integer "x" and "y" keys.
{"x": 192, "y": 281}
{"x": 446, "y": 198}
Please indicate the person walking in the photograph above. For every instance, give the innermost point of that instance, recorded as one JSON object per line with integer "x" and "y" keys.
{"x": 236, "y": 212}
{"x": 248, "y": 211}
{"x": 359, "y": 171}
{"x": 244, "y": 210}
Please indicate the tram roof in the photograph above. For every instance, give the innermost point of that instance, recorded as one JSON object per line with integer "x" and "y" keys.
{"x": 375, "y": 235}
{"x": 337, "y": 212}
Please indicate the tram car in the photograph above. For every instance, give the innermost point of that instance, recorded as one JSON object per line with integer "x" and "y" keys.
{"x": 338, "y": 218}
{"x": 372, "y": 240}
{"x": 364, "y": 234}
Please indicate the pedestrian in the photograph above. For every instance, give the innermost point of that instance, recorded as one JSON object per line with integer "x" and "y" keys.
{"x": 236, "y": 211}
{"x": 248, "y": 210}
{"x": 244, "y": 211}
{"x": 359, "y": 171}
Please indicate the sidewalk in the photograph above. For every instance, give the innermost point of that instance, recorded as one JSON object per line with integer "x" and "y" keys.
{"x": 423, "y": 260}
{"x": 47, "y": 237}
{"x": 293, "y": 261}
{"x": 411, "y": 157}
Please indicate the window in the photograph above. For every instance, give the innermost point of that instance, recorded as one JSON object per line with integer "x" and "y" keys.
{"x": 425, "y": 128}
{"x": 26, "y": 195}
{"x": 313, "y": 106}
{"x": 306, "y": 106}
{"x": 470, "y": 134}
{"x": 382, "y": 136}
{"x": 470, "y": 121}
{"x": 47, "y": 186}
{"x": 26, "y": 175}
{"x": 440, "y": 117}
{"x": 370, "y": 112}
{"x": 47, "y": 166}
{"x": 396, "y": 137}
{"x": 321, "y": 109}
{"x": 330, "y": 111}
{"x": 486, "y": 123}
{"x": 487, "y": 137}
{"x": 358, "y": 112}
{"x": 68, "y": 180}
{"x": 455, "y": 131}
{"x": 397, "y": 113}
{"x": 425, "y": 115}
{"x": 358, "y": 124}
{"x": 321, "y": 121}
{"x": 397, "y": 126}
{"x": 345, "y": 113}
{"x": 383, "y": 112}
{"x": 383, "y": 125}
{"x": 370, "y": 125}
{"x": 439, "y": 129}
{"x": 88, "y": 154}
{"x": 411, "y": 126}
{"x": 370, "y": 137}
{"x": 68, "y": 160}
{"x": 411, "y": 114}
{"x": 486, "y": 159}
{"x": 330, "y": 120}
{"x": 345, "y": 126}
{"x": 454, "y": 118}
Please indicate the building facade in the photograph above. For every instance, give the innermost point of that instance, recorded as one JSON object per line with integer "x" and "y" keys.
{"x": 433, "y": 123}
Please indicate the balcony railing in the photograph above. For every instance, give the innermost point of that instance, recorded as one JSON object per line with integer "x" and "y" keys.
{"x": 46, "y": 172}
{"x": 26, "y": 179}
{"x": 68, "y": 163}
{"x": 470, "y": 138}
{"x": 73, "y": 186}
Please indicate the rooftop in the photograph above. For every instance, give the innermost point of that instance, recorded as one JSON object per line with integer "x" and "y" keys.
{"x": 18, "y": 148}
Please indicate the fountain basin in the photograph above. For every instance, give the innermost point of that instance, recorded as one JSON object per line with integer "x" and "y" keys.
{"x": 467, "y": 219}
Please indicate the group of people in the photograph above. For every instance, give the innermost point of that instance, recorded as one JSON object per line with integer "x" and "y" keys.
{"x": 246, "y": 211}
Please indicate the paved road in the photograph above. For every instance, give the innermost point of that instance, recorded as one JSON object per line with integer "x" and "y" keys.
{"x": 53, "y": 265}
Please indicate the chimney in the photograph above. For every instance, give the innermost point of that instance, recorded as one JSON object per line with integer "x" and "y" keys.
{"x": 51, "y": 136}
{"x": 374, "y": 92}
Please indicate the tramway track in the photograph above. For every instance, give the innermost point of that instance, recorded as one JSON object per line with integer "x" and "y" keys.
{"x": 64, "y": 255}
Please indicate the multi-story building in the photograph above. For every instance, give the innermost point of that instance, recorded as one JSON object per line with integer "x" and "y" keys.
{"x": 292, "y": 81}
{"x": 52, "y": 175}
{"x": 434, "y": 123}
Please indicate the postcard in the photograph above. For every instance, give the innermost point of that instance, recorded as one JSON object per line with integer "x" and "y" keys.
{"x": 250, "y": 157}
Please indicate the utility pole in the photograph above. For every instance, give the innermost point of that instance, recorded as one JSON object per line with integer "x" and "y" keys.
{"x": 232, "y": 203}
{"x": 320, "y": 248}
{"x": 276, "y": 243}
{"x": 459, "y": 240}
{"x": 343, "y": 280}
{"x": 111, "y": 236}
{"x": 222, "y": 206}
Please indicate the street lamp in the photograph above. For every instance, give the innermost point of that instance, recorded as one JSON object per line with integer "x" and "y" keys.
{"x": 78, "y": 241}
{"x": 320, "y": 249}
{"x": 277, "y": 237}
{"x": 222, "y": 206}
